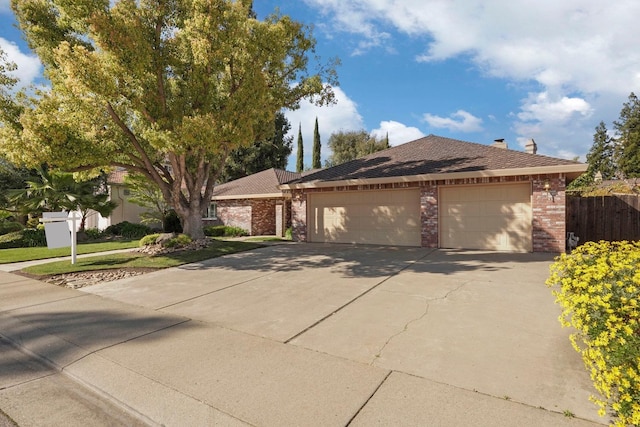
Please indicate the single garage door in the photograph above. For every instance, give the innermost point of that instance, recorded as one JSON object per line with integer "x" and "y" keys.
{"x": 389, "y": 217}
{"x": 493, "y": 217}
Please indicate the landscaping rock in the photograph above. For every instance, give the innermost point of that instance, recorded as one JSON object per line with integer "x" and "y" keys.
{"x": 164, "y": 237}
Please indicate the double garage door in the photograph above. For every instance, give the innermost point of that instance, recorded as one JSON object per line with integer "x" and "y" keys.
{"x": 494, "y": 217}
{"x": 389, "y": 217}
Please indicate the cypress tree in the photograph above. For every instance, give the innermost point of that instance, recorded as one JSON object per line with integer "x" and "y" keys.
{"x": 300, "y": 160}
{"x": 315, "y": 164}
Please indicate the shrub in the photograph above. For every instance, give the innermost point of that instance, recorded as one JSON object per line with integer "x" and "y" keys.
{"x": 9, "y": 227}
{"x": 179, "y": 240}
{"x": 598, "y": 287}
{"x": 213, "y": 230}
{"x": 114, "y": 229}
{"x": 172, "y": 223}
{"x": 33, "y": 222}
{"x": 128, "y": 229}
{"x": 93, "y": 233}
{"x": 224, "y": 231}
{"x": 134, "y": 231}
{"x": 149, "y": 239}
{"x": 288, "y": 234}
{"x": 23, "y": 239}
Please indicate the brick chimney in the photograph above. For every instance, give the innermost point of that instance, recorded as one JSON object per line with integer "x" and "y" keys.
{"x": 499, "y": 143}
{"x": 531, "y": 147}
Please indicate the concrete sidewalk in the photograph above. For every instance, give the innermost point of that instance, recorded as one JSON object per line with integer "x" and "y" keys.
{"x": 17, "y": 266}
{"x": 314, "y": 335}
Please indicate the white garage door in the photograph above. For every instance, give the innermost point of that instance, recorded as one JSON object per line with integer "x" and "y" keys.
{"x": 390, "y": 217}
{"x": 493, "y": 217}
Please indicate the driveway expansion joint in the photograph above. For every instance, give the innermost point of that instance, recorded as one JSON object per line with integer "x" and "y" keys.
{"x": 357, "y": 297}
{"x": 369, "y": 398}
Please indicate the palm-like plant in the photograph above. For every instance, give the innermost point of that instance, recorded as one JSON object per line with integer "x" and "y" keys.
{"x": 51, "y": 191}
{"x": 57, "y": 191}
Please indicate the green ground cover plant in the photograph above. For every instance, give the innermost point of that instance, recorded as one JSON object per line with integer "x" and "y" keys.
{"x": 224, "y": 231}
{"x": 34, "y": 253}
{"x": 598, "y": 287}
{"x": 140, "y": 260}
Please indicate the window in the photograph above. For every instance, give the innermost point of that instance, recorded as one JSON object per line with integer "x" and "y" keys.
{"x": 212, "y": 211}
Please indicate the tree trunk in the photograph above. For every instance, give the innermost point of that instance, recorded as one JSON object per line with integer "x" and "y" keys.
{"x": 192, "y": 224}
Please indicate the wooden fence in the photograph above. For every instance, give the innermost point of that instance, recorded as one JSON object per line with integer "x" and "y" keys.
{"x": 604, "y": 217}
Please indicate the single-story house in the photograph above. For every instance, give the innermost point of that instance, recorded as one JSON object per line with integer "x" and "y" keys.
{"x": 438, "y": 192}
{"x": 254, "y": 203}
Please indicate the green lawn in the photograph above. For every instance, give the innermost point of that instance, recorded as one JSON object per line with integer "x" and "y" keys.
{"x": 30, "y": 254}
{"x": 139, "y": 260}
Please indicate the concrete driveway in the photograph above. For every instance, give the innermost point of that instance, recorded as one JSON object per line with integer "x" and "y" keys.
{"x": 475, "y": 325}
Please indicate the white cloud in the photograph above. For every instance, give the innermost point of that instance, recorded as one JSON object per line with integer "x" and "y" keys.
{"x": 543, "y": 108}
{"x": 399, "y": 133}
{"x": 341, "y": 116}
{"x": 460, "y": 121}
{"x": 582, "y": 54}
{"x": 29, "y": 66}
{"x": 585, "y": 44}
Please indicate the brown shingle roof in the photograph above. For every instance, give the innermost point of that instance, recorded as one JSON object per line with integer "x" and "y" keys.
{"x": 266, "y": 182}
{"x": 117, "y": 176}
{"x": 432, "y": 155}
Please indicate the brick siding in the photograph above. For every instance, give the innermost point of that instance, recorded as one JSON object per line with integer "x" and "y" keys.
{"x": 429, "y": 216}
{"x": 549, "y": 212}
{"x": 299, "y": 216}
{"x": 256, "y": 216}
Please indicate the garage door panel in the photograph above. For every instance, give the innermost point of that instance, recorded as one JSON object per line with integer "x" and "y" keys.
{"x": 371, "y": 217}
{"x": 495, "y": 217}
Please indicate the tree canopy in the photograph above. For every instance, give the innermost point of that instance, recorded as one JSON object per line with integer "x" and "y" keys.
{"x": 628, "y": 137}
{"x": 350, "y": 145}
{"x": 600, "y": 156}
{"x": 271, "y": 152}
{"x": 164, "y": 88}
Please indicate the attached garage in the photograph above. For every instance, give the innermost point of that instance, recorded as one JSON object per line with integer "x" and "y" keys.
{"x": 438, "y": 192}
{"x": 390, "y": 217}
{"x": 489, "y": 217}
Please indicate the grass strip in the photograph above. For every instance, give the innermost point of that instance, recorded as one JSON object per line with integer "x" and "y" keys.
{"x": 139, "y": 260}
{"x": 31, "y": 254}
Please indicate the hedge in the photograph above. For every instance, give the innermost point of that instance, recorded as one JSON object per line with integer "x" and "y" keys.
{"x": 598, "y": 287}
{"x": 224, "y": 231}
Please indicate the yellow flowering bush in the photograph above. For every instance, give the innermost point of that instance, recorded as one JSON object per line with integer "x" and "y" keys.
{"x": 598, "y": 287}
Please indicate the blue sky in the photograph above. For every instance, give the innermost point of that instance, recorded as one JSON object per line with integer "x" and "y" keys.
{"x": 468, "y": 69}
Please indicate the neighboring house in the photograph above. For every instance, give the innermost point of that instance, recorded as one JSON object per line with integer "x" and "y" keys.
{"x": 438, "y": 192}
{"x": 254, "y": 203}
{"x": 125, "y": 211}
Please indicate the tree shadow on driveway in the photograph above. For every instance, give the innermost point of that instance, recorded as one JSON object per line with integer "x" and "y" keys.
{"x": 369, "y": 261}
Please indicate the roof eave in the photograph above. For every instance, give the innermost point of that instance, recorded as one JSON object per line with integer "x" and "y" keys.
{"x": 250, "y": 196}
{"x": 538, "y": 170}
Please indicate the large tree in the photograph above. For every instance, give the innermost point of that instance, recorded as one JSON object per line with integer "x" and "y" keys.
{"x": 350, "y": 145}
{"x": 600, "y": 156}
{"x": 271, "y": 152}
{"x": 164, "y": 88}
{"x": 628, "y": 137}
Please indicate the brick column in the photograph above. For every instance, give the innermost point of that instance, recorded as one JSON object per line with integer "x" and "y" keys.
{"x": 299, "y": 216}
{"x": 429, "y": 216}
{"x": 549, "y": 214}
